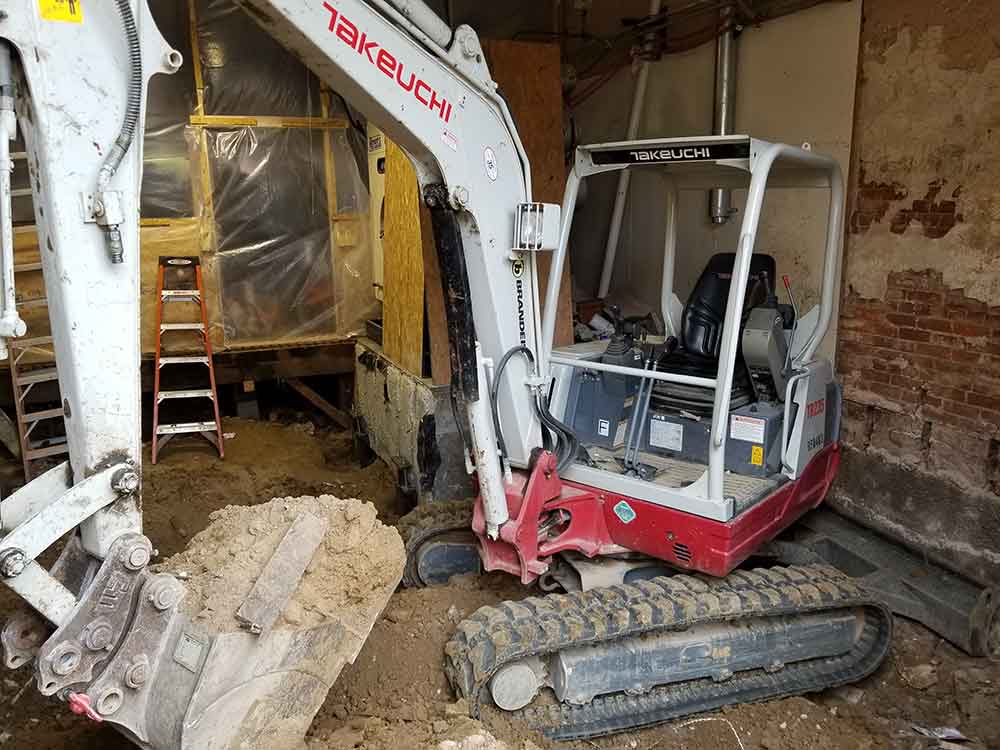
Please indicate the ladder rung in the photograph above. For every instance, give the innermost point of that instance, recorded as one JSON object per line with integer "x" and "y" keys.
{"x": 198, "y": 393}
{"x": 25, "y": 267}
{"x": 52, "y": 450}
{"x": 182, "y": 327}
{"x": 29, "y": 343}
{"x": 40, "y": 415}
{"x": 183, "y": 361}
{"x": 20, "y": 192}
{"x": 32, "y": 303}
{"x": 182, "y": 427}
{"x": 37, "y": 376}
{"x": 179, "y": 294}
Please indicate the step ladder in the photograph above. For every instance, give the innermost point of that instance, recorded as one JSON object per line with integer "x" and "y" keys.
{"x": 29, "y": 376}
{"x": 179, "y": 280}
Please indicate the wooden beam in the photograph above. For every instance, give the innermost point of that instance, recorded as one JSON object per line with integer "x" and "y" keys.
{"x": 437, "y": 321}
{"x": 269, "y": 121}
{"x": 340, "y": 417}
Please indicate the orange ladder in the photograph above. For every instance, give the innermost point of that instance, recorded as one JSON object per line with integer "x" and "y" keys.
{"x": 177, "y": 272}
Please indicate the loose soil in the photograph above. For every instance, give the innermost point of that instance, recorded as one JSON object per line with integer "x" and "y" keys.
{"x": 395, "y": 695}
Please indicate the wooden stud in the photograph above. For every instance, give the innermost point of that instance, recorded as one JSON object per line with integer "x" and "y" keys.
{"x": 437, "y": 320}
{"x": 269, "y": 121}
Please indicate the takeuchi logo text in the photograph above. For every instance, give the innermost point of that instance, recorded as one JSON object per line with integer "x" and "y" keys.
{"x": 387, "y": 63}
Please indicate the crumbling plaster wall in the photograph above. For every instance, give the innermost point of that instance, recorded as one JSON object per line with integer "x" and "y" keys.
{"x": 919, "y": 343}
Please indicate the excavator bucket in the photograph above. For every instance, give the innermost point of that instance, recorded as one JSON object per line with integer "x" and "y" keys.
{"x": 235, "y": 642}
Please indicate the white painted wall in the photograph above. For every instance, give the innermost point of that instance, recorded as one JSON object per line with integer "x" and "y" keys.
{"x": 796, "y": 79}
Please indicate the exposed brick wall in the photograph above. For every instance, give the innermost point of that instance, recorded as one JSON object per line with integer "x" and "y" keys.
{"x": 921, "y": 370}
{"x": 919, "y": 329}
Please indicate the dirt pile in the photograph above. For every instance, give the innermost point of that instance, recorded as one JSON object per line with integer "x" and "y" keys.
{"x": 396, "y": 695}
{"x": 350, "y": 577}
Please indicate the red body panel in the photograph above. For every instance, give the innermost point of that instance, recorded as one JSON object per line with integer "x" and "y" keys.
{"x": 587, "y": 523}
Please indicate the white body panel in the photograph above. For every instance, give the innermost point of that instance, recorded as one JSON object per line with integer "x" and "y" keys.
{"x": 77, "y": 75}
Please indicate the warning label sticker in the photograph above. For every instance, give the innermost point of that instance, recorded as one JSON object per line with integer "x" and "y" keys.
{"x": 750, "y": 429}
{"x": 620, "y": 434}
{"x": 625, "y": 512}
{"x": 757, "y": 455}
{"x": 61, "y": 10}
{"x": 663, "y": 434}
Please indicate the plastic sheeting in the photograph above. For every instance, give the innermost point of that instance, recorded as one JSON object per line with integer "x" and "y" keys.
{"x": 167, "y": 170}
{"x": 284, "y": 271}
{"x": 246, "y": 72}
{"x": 279, "y": 274}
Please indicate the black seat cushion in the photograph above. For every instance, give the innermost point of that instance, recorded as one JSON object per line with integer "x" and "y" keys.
{"x": 705, "y": 311}
{"x": 701, "y": 333}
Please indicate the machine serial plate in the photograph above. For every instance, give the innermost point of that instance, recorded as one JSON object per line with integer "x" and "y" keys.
{"x": 189, "y": 651}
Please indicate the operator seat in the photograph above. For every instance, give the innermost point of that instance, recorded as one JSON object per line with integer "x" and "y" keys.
{"x": 698, "y": 347}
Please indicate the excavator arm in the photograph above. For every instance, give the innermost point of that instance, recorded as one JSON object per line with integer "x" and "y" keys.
{"x": 73, "y": 78}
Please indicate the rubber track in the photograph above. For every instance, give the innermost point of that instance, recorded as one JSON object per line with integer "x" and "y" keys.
{"x": 497, "y": 635}
{"x": 427, "y": 521}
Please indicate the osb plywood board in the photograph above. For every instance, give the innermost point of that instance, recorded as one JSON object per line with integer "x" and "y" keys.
{"x": 403, "y": 259}
{"x": 530, "y": 78}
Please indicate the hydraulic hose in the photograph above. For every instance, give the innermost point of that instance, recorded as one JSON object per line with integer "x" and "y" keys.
{"x": 566, "y": 444}
{"x": 127, "y": 133}
{"x": 495, "y": 390}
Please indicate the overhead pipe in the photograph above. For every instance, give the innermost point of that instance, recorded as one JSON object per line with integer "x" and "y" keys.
{"x": 721, "y": 199}
{"x": 625, "y": 176}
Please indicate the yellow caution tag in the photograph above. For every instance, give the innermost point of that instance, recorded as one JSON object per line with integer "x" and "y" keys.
{"x": 61, "y": 10}
{"x": 757, "y": 455}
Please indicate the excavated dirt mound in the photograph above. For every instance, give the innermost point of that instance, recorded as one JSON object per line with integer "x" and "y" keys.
{"x": 356, "y": 568}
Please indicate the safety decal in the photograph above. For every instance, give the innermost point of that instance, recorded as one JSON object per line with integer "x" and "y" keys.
{"x": 70, "y": 11}
{"x": 624, "y": 512}
{"x": 757, "y": 455}
{"x": 490, "y": 160}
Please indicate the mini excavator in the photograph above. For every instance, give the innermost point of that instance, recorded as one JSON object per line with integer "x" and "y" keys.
{"x": 599, "y": 467}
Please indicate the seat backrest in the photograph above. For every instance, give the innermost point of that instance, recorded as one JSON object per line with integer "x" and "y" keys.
{"x": 705, "y": 311}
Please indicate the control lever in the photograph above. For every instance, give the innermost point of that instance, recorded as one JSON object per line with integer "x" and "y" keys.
{"x": 631, "y": 462}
